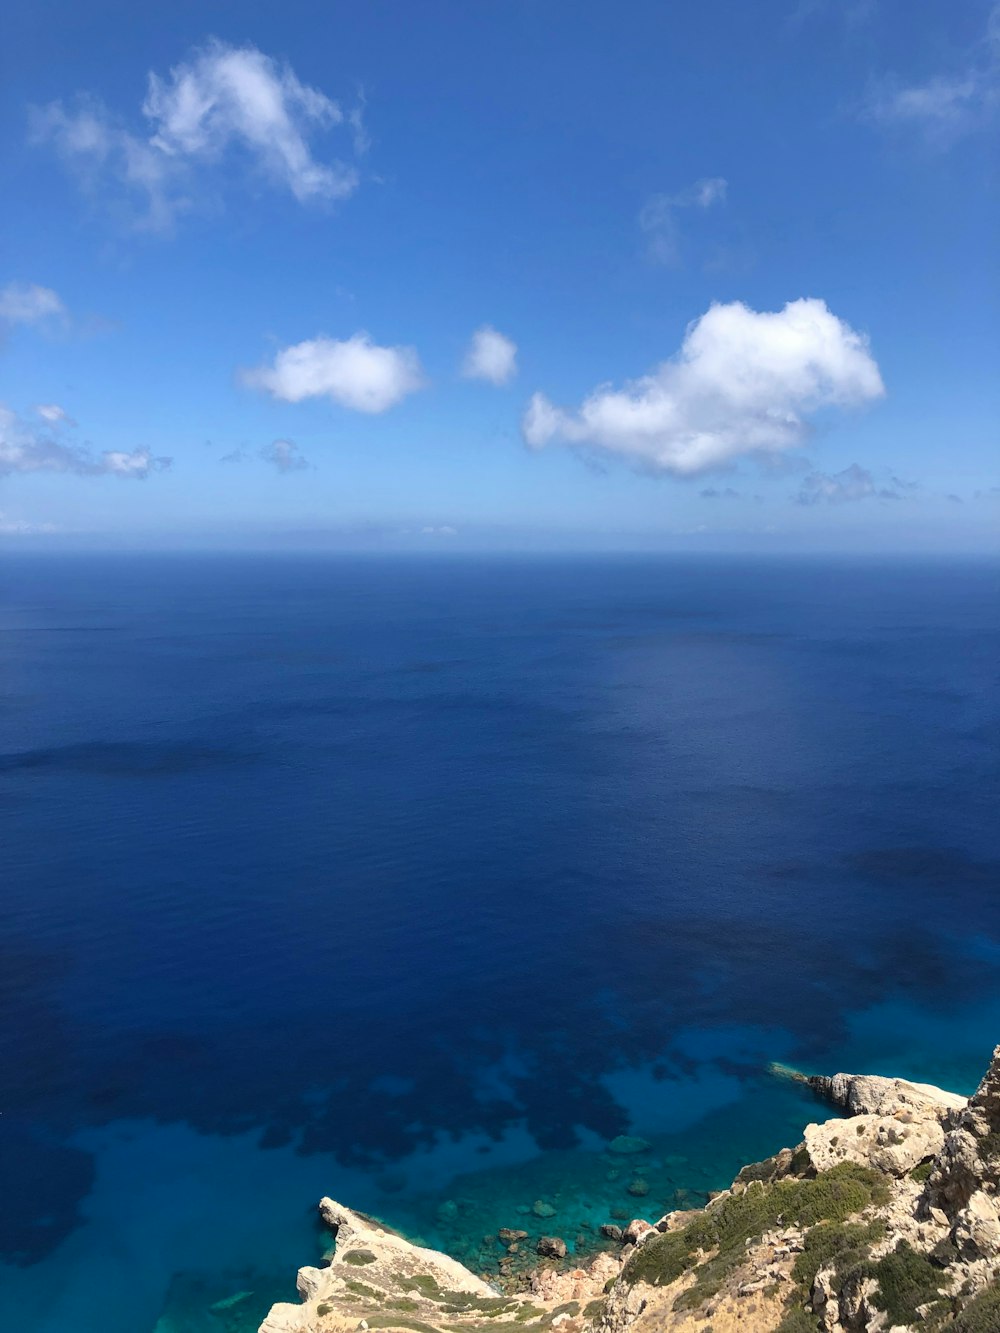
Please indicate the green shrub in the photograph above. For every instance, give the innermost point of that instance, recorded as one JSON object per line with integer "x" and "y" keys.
{"x": 832, "y": 1196}
{"x": 905, "y": 1280}
{"x": 922, "y": 1170}
{"x": 324, "y": 1308}
{"x": 837, "y": 1245}
{"x": 981, "y": 1315}
{"x": 798, "y": 1321}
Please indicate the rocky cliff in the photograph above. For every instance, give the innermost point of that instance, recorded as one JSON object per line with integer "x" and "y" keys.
{"x": 886, "y": 1220}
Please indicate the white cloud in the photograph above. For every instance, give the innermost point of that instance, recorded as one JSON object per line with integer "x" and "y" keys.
{"x": 285, "y": 455}
{"x": 355, "y": 373}
{"x": 25, "y": 449}
{"x": 948, "y": 105}
{"x": 224, "y": 101}
{"x": 743, "y": 383}
{"x": 20, "y": 527}
{"x": 27, "y": 303}
{"x": 490, "y": 357}
{"x": 852, "y": 484}
{"x": 445, "y": 530}
{"x": 658, "y": 217}
{"x": 54, "y": 415}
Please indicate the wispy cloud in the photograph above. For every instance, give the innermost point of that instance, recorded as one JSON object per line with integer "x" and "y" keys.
{"x": 852, "y": 484}
{"x": 948, "y": 104}
{"x": 713, "y": 493}
{"x": 659, "y": 222}
{"x": 54, "y": 415}
{"x": 27, "y": 303}
{"x": 22, "y": 527}
{"x": 354, "y": 372}
{"x": 491, "y": 356}
{"x": 285, "y": 456}
{"x": 225, "y": 104}
{"x": 24, "y": 449}
{"x": 743, "y": 383}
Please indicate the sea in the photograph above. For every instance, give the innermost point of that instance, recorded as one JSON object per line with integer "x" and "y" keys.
{"x": 418, "y": 880}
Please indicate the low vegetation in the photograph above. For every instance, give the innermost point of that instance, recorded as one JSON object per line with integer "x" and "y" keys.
{"x": 714, "y": 1243}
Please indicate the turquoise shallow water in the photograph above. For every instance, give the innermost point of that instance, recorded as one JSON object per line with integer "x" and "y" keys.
{"x": 416, "y": 884}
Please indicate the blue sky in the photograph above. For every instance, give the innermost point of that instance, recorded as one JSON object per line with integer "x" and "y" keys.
{"x": 692, "y": 274}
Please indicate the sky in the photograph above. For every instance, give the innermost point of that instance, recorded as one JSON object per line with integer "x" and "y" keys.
{"x": 515, "y": 274}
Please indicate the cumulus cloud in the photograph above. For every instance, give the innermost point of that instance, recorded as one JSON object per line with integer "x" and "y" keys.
{"x": 223, "y": 103}
{"x": 947, "y": 105}
{"x": 490, "y": 356}
{"x": 852, "y": 484}
{"x": 27, "y": 303}
{"x": 354, "y": 372}
{"x": 743, "y": 383}
{"x": 25, "y": 449}
{"x": 658, "y": 217}
{"x": 285, "y": 455}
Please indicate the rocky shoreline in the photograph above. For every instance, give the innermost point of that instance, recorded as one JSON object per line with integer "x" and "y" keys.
{"x": 887, "y": 1218}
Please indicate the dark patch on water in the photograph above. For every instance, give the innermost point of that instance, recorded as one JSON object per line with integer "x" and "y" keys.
{"x": 44, "y": 1182}
{"x": 122, "y": 759}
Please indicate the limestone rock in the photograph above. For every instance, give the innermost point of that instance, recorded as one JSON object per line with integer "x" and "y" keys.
{"x": 637, "y": 1231}
{"x": 371, "y": 1270}
{"x": 976, "y": 1232}
{"x": 869, "y": 1094}
{"x": 891, "y": 1143}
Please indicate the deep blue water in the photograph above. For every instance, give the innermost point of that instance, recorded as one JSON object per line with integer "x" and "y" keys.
{"x": 357, "y": 875}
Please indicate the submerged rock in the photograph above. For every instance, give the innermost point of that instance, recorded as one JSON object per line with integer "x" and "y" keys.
{"x": 551, "y": 1247}
{"x": 627, "y": 1144}
{"x": 542, "y": 1209}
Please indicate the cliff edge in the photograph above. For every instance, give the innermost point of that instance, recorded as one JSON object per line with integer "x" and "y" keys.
{"x": 884, "y": 1222}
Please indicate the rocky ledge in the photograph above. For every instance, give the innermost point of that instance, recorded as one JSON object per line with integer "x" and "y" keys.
{"x": 884, "y": 1222}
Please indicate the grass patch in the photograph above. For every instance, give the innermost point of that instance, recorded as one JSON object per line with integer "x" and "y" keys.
{"x": 426, "y": 1283}
{"x": 362, "y": 1289}
{"x": 922, "y": 1171}
{"x": 359, "y": 1258}
{"x": 394, "y": 1321}
{"x": 528, "y": 1312}
{"x": 462, "y": 1302}
{"x": 832, "y": 1196}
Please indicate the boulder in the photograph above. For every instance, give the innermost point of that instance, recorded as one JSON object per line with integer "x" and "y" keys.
{"x": 551, "y": 1247}
{"x": 637, "y": 1231}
